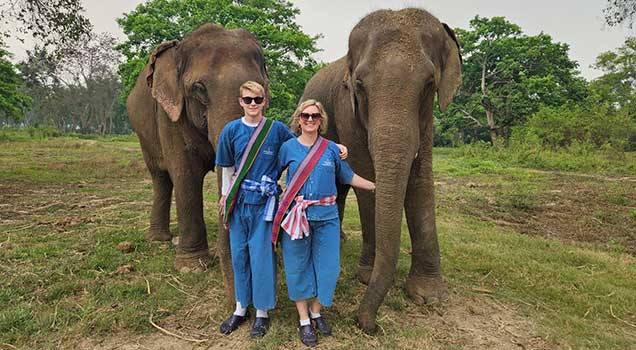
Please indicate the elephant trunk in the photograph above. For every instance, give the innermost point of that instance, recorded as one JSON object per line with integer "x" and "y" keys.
{"x": 393, "y": 146}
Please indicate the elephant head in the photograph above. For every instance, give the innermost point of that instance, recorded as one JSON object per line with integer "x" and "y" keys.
{"x": 197, "y": 80}
{"x": 396, "y": 63}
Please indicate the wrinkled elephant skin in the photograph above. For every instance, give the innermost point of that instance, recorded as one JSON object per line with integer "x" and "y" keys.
{"x": 182, "y": 99}
{"x": 380, "y": 97}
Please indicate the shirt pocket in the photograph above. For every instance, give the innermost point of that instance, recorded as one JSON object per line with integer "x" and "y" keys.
{"x": 326, "y": 177}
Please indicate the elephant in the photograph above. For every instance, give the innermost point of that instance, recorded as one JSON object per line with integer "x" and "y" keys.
{"x": 380, "y": 97}
{"x": 184, "y": 96}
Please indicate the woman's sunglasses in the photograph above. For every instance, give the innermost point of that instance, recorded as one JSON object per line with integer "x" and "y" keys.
{"x": 314, "y": 116}
{"x": 248, "y": 100}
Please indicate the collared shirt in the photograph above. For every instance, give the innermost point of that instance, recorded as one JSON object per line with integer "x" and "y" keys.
{"x": 322, "y": 180}
{"x": 232, "y": 144}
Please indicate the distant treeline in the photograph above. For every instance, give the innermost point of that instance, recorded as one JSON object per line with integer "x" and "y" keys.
{"x": 517, "y": 89}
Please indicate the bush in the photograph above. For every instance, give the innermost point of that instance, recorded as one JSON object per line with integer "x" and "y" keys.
{"x": 578, "y": 128}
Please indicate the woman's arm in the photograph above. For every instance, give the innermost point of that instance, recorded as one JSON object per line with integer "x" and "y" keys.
{"x": 362, "y": 183}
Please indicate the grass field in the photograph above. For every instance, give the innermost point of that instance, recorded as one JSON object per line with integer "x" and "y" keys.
{"x": 533, "y": 258}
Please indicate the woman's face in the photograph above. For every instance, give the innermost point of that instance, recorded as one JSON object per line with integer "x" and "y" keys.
{"x": 310, "y": 119}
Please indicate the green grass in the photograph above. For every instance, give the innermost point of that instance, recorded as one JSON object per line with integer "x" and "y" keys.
{"x": 580, "y": 158}
{"x": 65, "y": 204}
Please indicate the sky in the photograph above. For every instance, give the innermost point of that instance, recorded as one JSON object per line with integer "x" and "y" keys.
{"x": 579, "y": 23}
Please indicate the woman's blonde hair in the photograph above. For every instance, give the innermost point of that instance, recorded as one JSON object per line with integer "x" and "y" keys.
{"x": 294, "y": 123}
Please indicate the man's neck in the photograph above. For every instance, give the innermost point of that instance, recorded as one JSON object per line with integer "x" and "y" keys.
{"x": 253, "y": 120}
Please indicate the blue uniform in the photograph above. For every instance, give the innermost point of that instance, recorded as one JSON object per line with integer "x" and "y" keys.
{"x": 312, "y": 264}
{"x": 253, "y": 259}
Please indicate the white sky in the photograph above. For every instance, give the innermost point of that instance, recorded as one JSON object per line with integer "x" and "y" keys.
{"x": 578, "y": 23}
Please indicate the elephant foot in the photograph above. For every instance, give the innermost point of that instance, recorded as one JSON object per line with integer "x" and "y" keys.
{"x": 193, "y": 261}
{"x": 157, "y": 234}
{"x": 426, "y": 289}
{"x": 364, "y": 273}
{"x": 366, "y": 322}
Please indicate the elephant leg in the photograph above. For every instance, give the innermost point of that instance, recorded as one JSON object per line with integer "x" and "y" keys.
{"x": 160, "y": 216}
{"x": 424, "y": 284}
{"x": 366, "y": 209}
{"x": 192, "y": 251}
{"x": 343, "y": 191}
{"x": 224, "y": 253}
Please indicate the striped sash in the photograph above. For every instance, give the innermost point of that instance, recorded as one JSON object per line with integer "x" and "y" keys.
{"x": 249, "y": 155}
{"x": 298, "y": 180}
{"x": 296, "y": 223}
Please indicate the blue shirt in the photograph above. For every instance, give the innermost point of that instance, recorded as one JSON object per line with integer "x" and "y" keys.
{"x": 322, "y": 180}
{"x": 232, "y": 144}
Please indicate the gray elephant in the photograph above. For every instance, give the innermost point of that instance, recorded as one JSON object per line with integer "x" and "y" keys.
{"x": 380, "y": 97}
{"x": 182, "y": 99}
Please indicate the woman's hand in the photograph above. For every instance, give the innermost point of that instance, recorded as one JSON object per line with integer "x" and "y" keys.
{"x": 362, "y": 183}
{"x": 344, "y": 152}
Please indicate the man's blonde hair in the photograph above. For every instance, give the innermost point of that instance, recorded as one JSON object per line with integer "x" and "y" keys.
{"x": 294, "y": 123}
{"x": 252, "y": 86}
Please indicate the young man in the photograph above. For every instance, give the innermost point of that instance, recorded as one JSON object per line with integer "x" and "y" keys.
{"x": 249, "y": 189}
{"x": 247, "y": 153}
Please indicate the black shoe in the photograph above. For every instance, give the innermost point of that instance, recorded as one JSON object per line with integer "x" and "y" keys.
{"x": 259, "y": 327}
{"x": 233, "y": 322}
{"x": 308, "y": 335}
{"x": 322, "y": 326}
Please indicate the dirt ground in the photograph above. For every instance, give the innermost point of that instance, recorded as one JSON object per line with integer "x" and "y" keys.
{"x": 478, "y": 322}
{"x": 586, "y": 208}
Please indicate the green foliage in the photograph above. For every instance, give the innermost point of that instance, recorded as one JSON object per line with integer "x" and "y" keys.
{"x": 617, "y": 86}
{"x": 13, "y": 102}
{"x": 620, "y": 11}
{"x": 77, "y": 90}
{"x": 524, "y": 152}
{"x": 507, "y": 76}
{"x": 287, "y": 49}
{"x": 53, "y": 22}
{"x": 593, "y": 124}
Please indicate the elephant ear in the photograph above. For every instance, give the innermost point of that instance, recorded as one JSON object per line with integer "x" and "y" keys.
{"x": 349, "y": 85}
{"x": 451, "y": 77}
{"x": 163, "y": 79}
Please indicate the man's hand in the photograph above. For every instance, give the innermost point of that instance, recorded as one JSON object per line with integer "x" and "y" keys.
{"x": 221, "y": 204}
{"x": 221, "y": 208}
{"x": 344, "y": 152}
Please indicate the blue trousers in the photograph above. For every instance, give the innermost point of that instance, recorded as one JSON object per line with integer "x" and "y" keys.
{"x": 312, "y": 264}
{"x": 253, "y": 259}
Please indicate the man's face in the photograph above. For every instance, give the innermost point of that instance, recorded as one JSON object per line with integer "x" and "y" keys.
{"x": 252, "y": 109}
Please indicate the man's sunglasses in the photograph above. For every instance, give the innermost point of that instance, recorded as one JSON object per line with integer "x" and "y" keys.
{"x": 314, "y": 116}
{"x": 248, "y": 100}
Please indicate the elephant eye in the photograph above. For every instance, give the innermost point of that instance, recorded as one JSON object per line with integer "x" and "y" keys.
{"x": 200, "y": 93}
{"x": 359, "y": 85}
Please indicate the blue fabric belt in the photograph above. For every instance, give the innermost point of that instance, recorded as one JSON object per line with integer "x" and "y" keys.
{"x": 268, "y": 188}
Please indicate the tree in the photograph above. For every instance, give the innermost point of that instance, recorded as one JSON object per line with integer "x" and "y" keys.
{"x": 77, "y": 90}
{"x": 287, "y": 49}
{"x": 618, "y": 85}
{"x": 91, "y": 65}
{"x": 38, "y": 72}
{"x": 13, "y": 102}
{"x": 507, "y": 76}
{"x": 620, "y": 11}
{"x": 50, "y": 21}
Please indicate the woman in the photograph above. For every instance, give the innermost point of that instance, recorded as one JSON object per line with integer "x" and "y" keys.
{"x": 311, "y": 241}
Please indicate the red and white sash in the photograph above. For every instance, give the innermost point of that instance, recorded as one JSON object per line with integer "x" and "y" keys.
{"x": 296, "y": 223}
